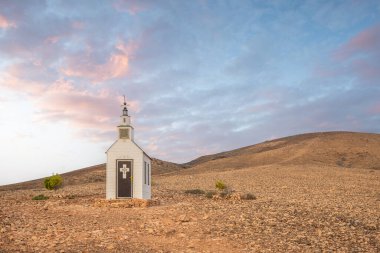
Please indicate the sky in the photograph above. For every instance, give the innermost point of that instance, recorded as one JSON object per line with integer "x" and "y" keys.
{"x": 200, "y": 76}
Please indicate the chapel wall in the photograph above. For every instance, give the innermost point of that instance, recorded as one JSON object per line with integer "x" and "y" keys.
{"x": 124, "y": 149}
{"x": 147, "y": 187}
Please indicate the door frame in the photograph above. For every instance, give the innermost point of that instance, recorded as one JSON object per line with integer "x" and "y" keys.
{"x": 117, "y": 178}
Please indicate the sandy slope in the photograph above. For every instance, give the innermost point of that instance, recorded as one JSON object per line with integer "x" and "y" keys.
{"x": 307, "y": 201}
{"x": 343, "y": 149}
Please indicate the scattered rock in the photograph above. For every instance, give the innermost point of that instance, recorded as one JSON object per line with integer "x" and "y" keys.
{"x": 316, "y": 211}
{"x": 183, "y": 218}
{"x": 125, "y": 203}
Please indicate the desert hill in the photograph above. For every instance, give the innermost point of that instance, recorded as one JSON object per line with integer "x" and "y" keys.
{"x": 340, "y": 149}
{"x": 314, "y": 192}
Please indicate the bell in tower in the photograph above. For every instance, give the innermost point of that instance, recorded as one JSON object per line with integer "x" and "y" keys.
{"x": 125, "y": 111}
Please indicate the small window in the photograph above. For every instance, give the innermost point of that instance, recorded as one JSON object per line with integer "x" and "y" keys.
{"x": 124, "y": 120}
{"x": 145, "y": 172}
{"x": 148, "y": 173}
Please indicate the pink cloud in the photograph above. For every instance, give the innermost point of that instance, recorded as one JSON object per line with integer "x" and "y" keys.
{"x": 116, "y": 66}
{"x": 5, "y": 23}
{"x": 367, "y": 41}
{"x": 95, "y": 113}
{"x": 52, "y": 39}
{"x": 78, "y": 25}
{"x": 15, "y": 83}
{"x": 131, "y": 6}
{"x": 83, "y": 108}
{"x": 356, "y": 59}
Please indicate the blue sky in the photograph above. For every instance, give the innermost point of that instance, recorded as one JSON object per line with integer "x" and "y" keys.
{"x": 200, "y": 76}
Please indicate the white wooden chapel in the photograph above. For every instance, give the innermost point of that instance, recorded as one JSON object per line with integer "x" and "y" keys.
{"x": 129, "y": 168}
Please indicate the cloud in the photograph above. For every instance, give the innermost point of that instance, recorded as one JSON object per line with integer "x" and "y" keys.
{"x": 357, "y": 59}
{"x": 83, "y": 109}
{"x": 91, "y": 114}
{"x": 24, "y": 86}
{"x": 116, "y": 66}
{"x": 201, "y": 77}
{"x": 5, "y": 23}
{"x": 364, "y": 43}
{"x": 133, "y": 7}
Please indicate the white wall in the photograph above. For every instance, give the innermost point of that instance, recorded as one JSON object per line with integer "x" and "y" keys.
{"x": 124, "y": 149}
{"x": 147, "y": 188}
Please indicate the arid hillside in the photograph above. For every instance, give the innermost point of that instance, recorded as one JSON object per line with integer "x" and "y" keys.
{"x": 340, "y": 149}
{"x": 309, "y": 193}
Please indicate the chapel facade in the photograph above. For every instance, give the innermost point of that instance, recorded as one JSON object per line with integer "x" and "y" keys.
{"x": 129, "y": 168}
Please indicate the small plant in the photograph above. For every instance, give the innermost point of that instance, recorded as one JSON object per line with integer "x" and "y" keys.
{"x": 220, "y": 185}
{"x": 195, "y": 191}
{"x": 248, "y": 196}
{"x": 40, "y": 197}
{"x": 53, "y": 182}
{"x": 209, "y": 195}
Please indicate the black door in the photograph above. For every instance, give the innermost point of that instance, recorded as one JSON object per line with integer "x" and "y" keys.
{"x": 124, "y": 179}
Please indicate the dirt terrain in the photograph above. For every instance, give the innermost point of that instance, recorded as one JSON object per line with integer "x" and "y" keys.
{"x": 314, "y": 192}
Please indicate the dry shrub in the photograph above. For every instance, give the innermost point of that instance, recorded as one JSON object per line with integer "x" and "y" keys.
{"x": 195, "y": 191}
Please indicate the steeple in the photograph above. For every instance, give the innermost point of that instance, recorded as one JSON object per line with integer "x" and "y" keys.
{"x": 125, "y": 119}
{"x": 125, "y": 110}
{"x": 125, "y": 129}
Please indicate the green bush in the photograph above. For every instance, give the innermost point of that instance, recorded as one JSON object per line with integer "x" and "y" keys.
{"x": 248, "y": 196}
{"x": 40, "y": 197}
{"x": 220, "y": 185}
{"x": 53, "y": 182}
{"x": 195, "y": 191}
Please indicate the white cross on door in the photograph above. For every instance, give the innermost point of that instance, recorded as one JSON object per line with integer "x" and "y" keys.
{"x": 124, "y": 170}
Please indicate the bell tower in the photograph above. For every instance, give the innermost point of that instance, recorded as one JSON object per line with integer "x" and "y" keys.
{"x": 125, "y": 128}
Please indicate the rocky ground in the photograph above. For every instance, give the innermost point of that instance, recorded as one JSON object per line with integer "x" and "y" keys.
{"x": 297, "y": 209}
